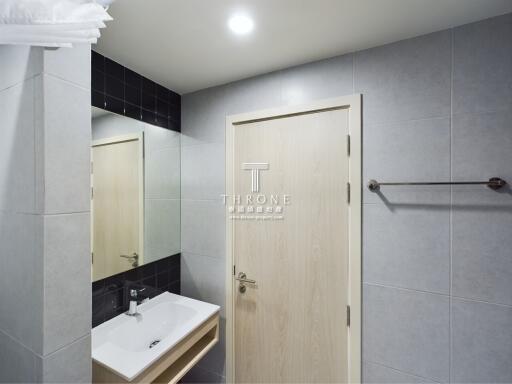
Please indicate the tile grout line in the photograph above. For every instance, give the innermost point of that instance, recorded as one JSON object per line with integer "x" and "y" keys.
{"x": 32, "y": 77}
{"x": 15, "y": 340}
{"x": 353, "y": 72}
{"x": 202, "y": 255}
{"x": 447, "y": 295}
{"x": 68, "y": 82}
{"x": 450, "y": 325}
{"x": 394, "y": 122}
{"x": 83, "y": 337}
{"x": 404, "y": 372}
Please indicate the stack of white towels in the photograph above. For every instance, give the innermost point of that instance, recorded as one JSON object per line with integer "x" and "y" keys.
{"x": 52, "y": 23}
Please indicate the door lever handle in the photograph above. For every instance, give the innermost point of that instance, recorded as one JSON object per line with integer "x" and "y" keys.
{"x": 242, "y": 277}
{"x": 134, "y": 259}
{"x": 133, "y": 256}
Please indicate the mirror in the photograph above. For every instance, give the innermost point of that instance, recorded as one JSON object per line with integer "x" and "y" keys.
{"x": 135, "y": 196}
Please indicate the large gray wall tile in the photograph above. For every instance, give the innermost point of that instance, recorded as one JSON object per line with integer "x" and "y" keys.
{"x": 482, "y": 68}
{"x": 416, "y": 150}
{"x": 406, "y": 80}
{"x": 203, "y": 278}
{"x": 407, "y": 330}
{"x": 254, "y": 94}
{"x": 68, "y": 365}
{"x": 319, "y": 80}
{"x": 110, "y": 124}
{"x": 162, "y": 232}
{"x": 18, "y": 364}
{"x": 481, "y": 148}
{"x": 203, "y": 116}
{"x": 407, "y": 248}
{"x": 67, "y": 286}
{"x": 203, "y": 227}
{"x": 163, "y": 171}
{"x": 67, "y": 128}
{"x": 482, "y": 342}
{"x": 19, "y": 63}
{"x": 376, "y": 373}
{"x": 203, "y": 171}
{"x": 482, "y": 262}
{"x": 159, "y": 138}
{"x": 21, "y": 278}
{"x": 17, "y": 148}
{"x": 73, "y": 65}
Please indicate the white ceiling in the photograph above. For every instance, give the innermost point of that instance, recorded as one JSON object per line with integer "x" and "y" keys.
{"x": 186, "y": 44}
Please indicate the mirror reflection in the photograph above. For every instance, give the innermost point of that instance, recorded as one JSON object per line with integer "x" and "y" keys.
{"x": 135, "y": 196}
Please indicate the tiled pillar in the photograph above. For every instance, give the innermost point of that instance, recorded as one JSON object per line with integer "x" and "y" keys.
{"x": 44, "y": 215}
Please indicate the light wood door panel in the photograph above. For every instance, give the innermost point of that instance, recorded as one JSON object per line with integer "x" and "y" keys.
{"x": 291, "y": 325}
{"x": 116, "y": 207}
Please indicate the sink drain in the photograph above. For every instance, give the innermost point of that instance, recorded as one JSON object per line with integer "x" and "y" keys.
{"x": 153, "y": 343}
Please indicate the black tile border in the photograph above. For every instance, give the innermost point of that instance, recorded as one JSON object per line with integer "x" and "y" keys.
{"x": 110, "y": 295}
{"x": 118, "y": 89}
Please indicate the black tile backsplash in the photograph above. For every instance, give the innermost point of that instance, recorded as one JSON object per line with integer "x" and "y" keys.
{"x": 114, "y": 69}
{"x": 132, "y": 96}
{"x": 114, "y": 87}
{"x": 148, "y": 102}
{"x": 110, "y": 296}
{"x": 114, "y": 105}
{"x": 125, "y": 92}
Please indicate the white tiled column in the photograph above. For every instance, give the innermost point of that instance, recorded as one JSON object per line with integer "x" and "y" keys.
{"x": 45, "y": 321}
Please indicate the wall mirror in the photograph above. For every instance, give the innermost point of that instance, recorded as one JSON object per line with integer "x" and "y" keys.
{"x": 135, "y": 196}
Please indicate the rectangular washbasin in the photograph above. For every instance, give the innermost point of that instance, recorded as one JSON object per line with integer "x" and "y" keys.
{"x": 128, "y": 345}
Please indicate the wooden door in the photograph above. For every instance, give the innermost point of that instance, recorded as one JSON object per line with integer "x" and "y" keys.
{"x": 117, "y": 180}
{"x": 291, "y": 324}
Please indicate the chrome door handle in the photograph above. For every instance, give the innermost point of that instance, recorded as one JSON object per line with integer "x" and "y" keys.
{"x": 242, "y": 278}
{"x": 134, "y": 258}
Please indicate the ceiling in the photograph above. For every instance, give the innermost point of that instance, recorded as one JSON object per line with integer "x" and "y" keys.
{"x": 186, "y": 44}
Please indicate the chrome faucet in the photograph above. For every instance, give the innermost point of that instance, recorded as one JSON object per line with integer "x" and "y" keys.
{"x": 134, "y": 294}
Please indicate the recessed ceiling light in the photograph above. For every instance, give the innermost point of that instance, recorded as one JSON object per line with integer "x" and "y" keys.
{"x": 241, "y": 24}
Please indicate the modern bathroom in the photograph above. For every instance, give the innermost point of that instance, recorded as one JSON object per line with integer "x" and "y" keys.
{"x": 256, "y": 191}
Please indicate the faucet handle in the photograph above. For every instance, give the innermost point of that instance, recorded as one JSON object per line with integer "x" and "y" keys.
{"x": 134, "y": 293}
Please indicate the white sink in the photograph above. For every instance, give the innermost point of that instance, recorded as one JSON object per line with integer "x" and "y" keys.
{"x": 128, "y": 345}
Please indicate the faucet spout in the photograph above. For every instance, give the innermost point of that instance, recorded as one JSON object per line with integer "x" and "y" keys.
{"x": 132, "y": 310}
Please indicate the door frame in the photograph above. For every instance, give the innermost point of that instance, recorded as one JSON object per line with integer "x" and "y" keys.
{"x": 139, "y": 136}
{"x": 353, "y": 104}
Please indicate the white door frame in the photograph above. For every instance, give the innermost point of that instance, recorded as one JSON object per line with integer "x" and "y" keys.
{"x": 353, "y": 104}
{"x": 119, "y": 139}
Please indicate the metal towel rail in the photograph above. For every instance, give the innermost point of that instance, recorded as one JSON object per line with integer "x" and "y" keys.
{"x": 494, "y": 183}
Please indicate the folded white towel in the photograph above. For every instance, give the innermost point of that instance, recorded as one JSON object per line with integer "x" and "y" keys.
{"x": 51, "y": 22}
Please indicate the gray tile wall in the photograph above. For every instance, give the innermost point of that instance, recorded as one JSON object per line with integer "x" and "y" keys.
{"x": 437, "y": 261}
{"x": 44, "y": 215}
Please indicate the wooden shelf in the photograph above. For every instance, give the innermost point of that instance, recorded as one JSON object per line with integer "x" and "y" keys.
{"x": 171, "y": 367}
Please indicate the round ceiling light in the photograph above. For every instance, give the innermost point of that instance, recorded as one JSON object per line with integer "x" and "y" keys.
{"x": 241, "y": 24}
